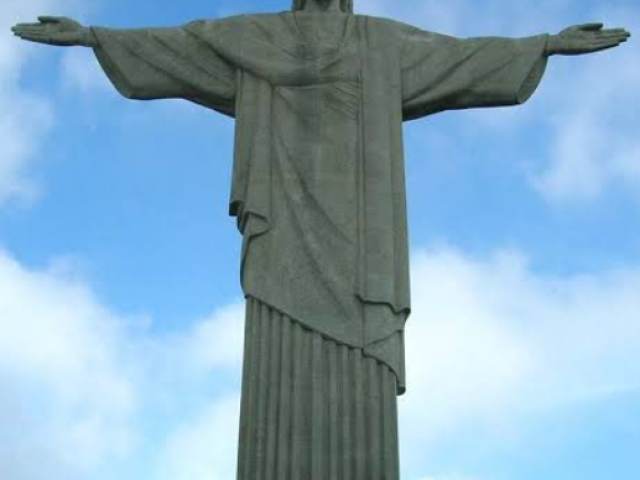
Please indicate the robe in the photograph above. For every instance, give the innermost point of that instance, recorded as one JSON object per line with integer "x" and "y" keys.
{"x": 318, "y": 183}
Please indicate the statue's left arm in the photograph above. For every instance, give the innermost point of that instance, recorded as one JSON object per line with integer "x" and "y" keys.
{"x": 447, "y": 73}
{"x": 149, "y": 63}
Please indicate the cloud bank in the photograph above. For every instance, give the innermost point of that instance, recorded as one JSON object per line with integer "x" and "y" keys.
{"x": 79, "y": 382}
{"x": 25, "y": 118}
{"x": 491, "y": 343}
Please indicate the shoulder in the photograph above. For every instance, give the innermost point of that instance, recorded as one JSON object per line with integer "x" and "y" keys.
{"x": 389, "y": 30}
{"x": 235, "y": 20}
{"x": 385, "y": 24}
{"x": 231, "y": 29}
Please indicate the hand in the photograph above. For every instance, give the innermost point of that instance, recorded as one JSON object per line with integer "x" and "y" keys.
{"x": 588, "y": 38}
{"x": 60, "y": 31}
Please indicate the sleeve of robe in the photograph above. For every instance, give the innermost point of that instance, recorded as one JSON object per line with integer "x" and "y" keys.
{"x": 446, "y": 73}
{"x": 160, "y": 63}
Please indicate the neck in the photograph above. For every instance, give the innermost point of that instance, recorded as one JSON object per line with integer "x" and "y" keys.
{"x": 322, "y": 6}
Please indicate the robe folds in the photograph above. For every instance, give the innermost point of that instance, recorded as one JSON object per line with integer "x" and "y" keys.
{"x": 318, "y": 182}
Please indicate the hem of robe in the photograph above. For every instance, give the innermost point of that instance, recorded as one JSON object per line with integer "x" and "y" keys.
{"x": 312, "y": 408}
{"x": 378, "y": 350}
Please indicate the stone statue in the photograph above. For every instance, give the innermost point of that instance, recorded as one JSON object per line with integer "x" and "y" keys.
{"x": 319, "y": 96}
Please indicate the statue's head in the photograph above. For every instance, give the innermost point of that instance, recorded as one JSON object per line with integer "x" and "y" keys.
{"x": 320, "y": 5}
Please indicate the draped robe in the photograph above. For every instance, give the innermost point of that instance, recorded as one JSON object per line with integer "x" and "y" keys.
{"x": 318, "y": 182}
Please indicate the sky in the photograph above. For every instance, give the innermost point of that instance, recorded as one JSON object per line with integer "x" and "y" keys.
{"x": 121, "y": 314}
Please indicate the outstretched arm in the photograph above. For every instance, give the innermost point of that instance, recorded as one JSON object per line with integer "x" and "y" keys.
{"x": 149, "y": 63}
{"x": 447, "y": 73}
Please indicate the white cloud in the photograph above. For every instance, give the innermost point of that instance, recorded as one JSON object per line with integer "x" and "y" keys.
{"x": 24, "y": 118}
{"x": 67, "y": 399}
{"x": 70, "y": 394}
{"x": 27, "y": 118}
{"x": 493, "y": 344}
{"x": 78, "y": 382}
{"x": 597, "y": 149}
{"x": 217, "y": 341}
{"x": 205, "y": 448}
{"x": 490, "y": 344}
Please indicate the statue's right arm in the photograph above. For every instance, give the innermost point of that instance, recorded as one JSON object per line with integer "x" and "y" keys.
{"x": 149, "y": 63}
{"x": 59, "y": 31}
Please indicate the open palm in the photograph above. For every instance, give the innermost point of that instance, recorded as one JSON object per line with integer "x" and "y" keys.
{"x": 60, "y": 31}
{"x": 587, "y": 38}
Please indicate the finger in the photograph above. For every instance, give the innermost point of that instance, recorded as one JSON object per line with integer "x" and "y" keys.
{"x": 604, "y": 45}
{"x": 25, "y": 25}
{"x": 38, "y": 41}
{"x": 616, "y": 38}
{"x": 22, "y": 33}
{"x": 34, "y": 29}
{"x": 601, "y": 49}
{"x": 613, "y": 36}
{"x": 49, "y": 19}
{"x": 31, "y": 34}
{"x": 590, "y": 27}
{"x": 36, "y": 38}
{"x": 606, "y": 41}
{"x": 614, "y": 31}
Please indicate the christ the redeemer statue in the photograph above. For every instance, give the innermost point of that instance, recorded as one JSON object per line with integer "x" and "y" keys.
{"x": 319, "y": 96}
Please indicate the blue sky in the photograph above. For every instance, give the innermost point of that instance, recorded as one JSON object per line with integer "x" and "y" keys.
{"x": 120, "y": 306}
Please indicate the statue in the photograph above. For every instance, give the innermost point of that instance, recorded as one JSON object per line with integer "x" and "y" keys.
{"x": 319, "y": 96}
